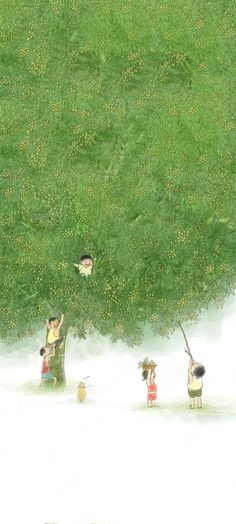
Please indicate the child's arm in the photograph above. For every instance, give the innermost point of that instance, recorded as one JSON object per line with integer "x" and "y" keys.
{"x": 149, "y": 378}
{"x": 48, "y": 324}
{"x": 57, "y": 330}
{"x": 52, "y": 354}
{"x": 61, "y": 321}
{"x": 76, "y": 265}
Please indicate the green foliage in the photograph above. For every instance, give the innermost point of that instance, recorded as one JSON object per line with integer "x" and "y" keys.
{"x": 118, "y": 140}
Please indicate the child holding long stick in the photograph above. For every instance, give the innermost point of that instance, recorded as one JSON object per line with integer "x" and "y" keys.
{"x": 195, "y": 374}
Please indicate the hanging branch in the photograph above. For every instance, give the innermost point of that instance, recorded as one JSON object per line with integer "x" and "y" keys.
{"x": 185, "y": 338}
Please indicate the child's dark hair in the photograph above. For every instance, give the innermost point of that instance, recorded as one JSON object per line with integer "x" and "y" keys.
{"x": 199, "y": 371}
{"x": 52, "y": 319}
{"x": 145, "y": 375}
{"x": 85, "y": 256}
{"x": 41, "y": 352}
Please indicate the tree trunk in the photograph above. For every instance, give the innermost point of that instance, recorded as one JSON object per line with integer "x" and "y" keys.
{"x": 57, "y": 363}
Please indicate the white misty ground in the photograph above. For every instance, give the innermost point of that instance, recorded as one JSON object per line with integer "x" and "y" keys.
{"x": 112, "y": 460}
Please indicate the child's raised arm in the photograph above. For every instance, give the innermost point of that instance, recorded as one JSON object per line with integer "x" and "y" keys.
{"x": 190, "y": 375}
{"x": 61, "y": 321}
{"x": 149, "y": 377}
{"x": 52, "y": 354}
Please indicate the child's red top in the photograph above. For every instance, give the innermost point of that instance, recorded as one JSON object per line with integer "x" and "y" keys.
{"x": 152, "y": 387}
{"x": 45, "y": 367}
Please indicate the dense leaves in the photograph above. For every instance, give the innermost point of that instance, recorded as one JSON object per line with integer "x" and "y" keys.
{"x": 118, "y": 140}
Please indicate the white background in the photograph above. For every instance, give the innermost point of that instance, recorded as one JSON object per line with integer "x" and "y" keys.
{"x": 111, "y": 460}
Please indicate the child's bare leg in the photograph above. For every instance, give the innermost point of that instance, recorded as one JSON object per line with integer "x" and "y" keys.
{"x": 200, "y": 402}
{"x": 191, "y": 403}
{"x": 55, "y": 381}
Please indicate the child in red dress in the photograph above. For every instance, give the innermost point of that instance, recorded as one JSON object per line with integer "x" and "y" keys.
{"x": 150, "y": 376}
{"x": 46, "y": 375}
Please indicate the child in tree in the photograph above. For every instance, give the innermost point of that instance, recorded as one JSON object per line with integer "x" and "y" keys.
{"x": 85, "y": 265}
{"x": 46, "y": 375}
{"x": 195, "y": 374}
{"x": 54, "y": 326}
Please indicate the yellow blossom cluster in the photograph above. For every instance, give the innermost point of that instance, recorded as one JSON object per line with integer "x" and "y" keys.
{"x": 173, "y": 111}
{"x": 39, "y": 65}
{"x": 132, "y": 35}
{"x": 106, "y": 315}
{"x": 39, "y": 156}
{"x": 192, "y": 110}
{"x": 192, "y": 200}
{"x": 209, "y": 269}
{"x": 24, "y": 144}
{"x": 202, "y": 66}
{"x": 74, "y": 6}
{"x": 86, "y": 139}
{"x": 229, "y": 126}
{"x": 8, "y": 192}
{"x": 181, "y": 303}
{"x": 199, "y": 24}
{"x": 56, "y": 6}
{"x": 62, "y": 265}
{"x": 230, "y": 33}
{"x": 126, "y": 9}
{"x": 56, "y": 106}
{"x": 202, "y": 159}
{"x": 119, "y": 329}
{"x": 132, "y": 295}
{"x": 171, "y": 254}
{"x": 169, "y": 185}
{"x": 182, "y": 236}
{"x": 106, "y": 9}
{"x": 152, "y": 151}
{"x": 154, "y": 317}
{"x": 116, "y": 109}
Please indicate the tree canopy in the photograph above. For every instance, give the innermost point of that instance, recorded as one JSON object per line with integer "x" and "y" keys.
{"x": 118, "y": 141}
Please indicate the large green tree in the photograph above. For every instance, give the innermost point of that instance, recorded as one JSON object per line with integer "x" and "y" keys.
{"x": 118, "y": 140}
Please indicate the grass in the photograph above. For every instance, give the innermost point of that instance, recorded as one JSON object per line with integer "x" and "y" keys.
{"x": 213, "y": 410}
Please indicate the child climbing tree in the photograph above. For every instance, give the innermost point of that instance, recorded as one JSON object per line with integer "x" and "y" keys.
{"x": 124, "y": 153}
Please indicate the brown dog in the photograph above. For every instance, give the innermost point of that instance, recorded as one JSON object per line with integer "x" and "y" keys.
{"x": 81, "y": 392}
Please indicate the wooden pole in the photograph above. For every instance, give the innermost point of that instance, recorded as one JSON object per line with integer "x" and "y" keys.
{"x": 185, "y": 338}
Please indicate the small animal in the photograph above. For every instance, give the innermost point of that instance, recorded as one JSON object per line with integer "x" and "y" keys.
{"x": 81, "y": 392}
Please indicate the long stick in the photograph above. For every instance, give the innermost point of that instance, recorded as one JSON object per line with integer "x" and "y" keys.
{"x": 185, "y": 338}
